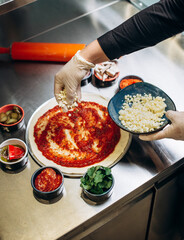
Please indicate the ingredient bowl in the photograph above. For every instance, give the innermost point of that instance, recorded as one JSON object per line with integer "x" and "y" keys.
{"x": 106, "y": 73}
{"x": 138, "y": 119}
{"x": 128, "y": 80}
{"x": 98, "y": 183}
{"x": 11, "y": 117}
{"x": 47, "y": 182}
{"x": 13, "y": 153}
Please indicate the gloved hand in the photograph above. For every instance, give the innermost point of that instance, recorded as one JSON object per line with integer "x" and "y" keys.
{"x": 70, "y": 76}
{"x": 174, "y": 131}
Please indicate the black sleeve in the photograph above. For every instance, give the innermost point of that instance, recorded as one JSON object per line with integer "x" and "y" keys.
{"x": 146, "y": 28}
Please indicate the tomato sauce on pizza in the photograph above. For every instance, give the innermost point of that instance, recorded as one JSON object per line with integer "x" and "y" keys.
{"x": 78, "y": 138}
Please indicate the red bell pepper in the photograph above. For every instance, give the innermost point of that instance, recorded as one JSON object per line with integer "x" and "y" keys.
{"x": 15, "y": 152}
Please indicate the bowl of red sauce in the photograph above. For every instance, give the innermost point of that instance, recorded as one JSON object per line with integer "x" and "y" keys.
{"x": 11, "y": 117}
{"x": 47, "y": 183}
{"x": 13, "y": 154}
{"x": 129, "y": 80}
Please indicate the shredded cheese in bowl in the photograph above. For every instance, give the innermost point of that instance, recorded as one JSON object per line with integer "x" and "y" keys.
{"x": 142, "y": 113}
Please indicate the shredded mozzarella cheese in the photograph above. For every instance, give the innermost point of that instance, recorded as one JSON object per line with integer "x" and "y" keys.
{"x": 142, "y": 113}
{"x": 63, "y": 102}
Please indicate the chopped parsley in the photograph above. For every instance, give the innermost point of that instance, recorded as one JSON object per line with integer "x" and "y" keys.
{"x": 97, "y": 180}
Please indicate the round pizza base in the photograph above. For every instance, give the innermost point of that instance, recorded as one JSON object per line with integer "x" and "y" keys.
{"x": 119, "y": 151}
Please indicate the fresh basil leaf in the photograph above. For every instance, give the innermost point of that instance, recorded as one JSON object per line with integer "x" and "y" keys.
{"x": 98, "y": 177}
{"x": 97, "y": 180}
{"x": 91, "y": 171}
{"x": 107, "y": 171}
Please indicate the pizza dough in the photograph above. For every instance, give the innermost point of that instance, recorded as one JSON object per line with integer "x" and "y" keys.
{"x": 113, "y": 157}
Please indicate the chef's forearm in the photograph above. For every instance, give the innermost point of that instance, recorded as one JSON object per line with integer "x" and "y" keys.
{"x": 94, "y": 53}
{"x": 147, "y": 28}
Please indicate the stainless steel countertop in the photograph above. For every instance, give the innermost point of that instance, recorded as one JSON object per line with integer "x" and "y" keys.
{"x": 30, "y": 84}
{"x": 10, "y": 5}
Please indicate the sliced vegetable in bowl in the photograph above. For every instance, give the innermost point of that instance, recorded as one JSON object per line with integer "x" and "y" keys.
{"x": 11, "y": 117}
{"x": 13, "y": 153}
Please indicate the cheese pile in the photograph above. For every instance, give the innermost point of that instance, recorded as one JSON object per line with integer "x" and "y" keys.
{"x": 142, "y": 113}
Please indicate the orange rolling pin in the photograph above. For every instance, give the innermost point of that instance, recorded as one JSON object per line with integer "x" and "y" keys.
{"x": 55, "y": 52}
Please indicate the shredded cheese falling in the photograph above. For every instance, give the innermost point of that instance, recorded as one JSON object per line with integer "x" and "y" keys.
{"x": 63, "y": 102}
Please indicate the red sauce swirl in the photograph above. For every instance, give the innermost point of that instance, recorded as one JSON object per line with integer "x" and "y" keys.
{"x": 78, "y": 138}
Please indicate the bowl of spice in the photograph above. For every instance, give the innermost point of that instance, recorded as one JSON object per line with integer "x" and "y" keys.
{"x": 106, "y": 73}
{"x": 11, "y": 117}
{"x": 129, "y": 80}
{"x": 47, "y": 183}
{"x": 13, "y": 153}
{"x": 97, "y": 183}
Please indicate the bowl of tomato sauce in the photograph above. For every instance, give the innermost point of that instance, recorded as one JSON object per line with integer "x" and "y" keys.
{"x": 129, "y": 80}
{"x": 47, "y": 183}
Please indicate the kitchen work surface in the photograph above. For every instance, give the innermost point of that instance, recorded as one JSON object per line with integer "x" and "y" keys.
{"x": 30, "y": 84}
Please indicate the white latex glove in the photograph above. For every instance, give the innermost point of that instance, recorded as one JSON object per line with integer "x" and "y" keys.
{"x": 70, "y": 77}
{"x": 174, "y": 131}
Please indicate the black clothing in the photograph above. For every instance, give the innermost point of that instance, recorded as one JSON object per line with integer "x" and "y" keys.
{"x": 146, "y": 28}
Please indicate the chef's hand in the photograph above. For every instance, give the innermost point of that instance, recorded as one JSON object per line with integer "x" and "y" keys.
{"x": 174, "y": 131}
{"x": 70, "y": 76}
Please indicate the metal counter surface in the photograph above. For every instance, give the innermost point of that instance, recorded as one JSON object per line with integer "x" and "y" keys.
{"x": 30, "y": 84}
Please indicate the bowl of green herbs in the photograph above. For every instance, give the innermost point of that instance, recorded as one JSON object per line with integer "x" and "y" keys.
{"x": 97, "y": 183}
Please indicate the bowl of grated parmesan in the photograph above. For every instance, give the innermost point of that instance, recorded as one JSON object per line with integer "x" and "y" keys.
{"x": 140, "y": 108}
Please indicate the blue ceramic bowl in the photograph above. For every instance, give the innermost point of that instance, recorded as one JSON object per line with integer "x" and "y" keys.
{"x": 116, "y": 102}
{"x": 100, "y": 197}
{"x": 47, "y": 195}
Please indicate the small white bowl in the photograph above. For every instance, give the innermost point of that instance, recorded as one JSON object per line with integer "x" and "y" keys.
{"x": 19, "y": 163}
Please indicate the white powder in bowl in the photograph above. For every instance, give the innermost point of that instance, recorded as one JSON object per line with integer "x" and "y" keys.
{"x": 142, "y": 113}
